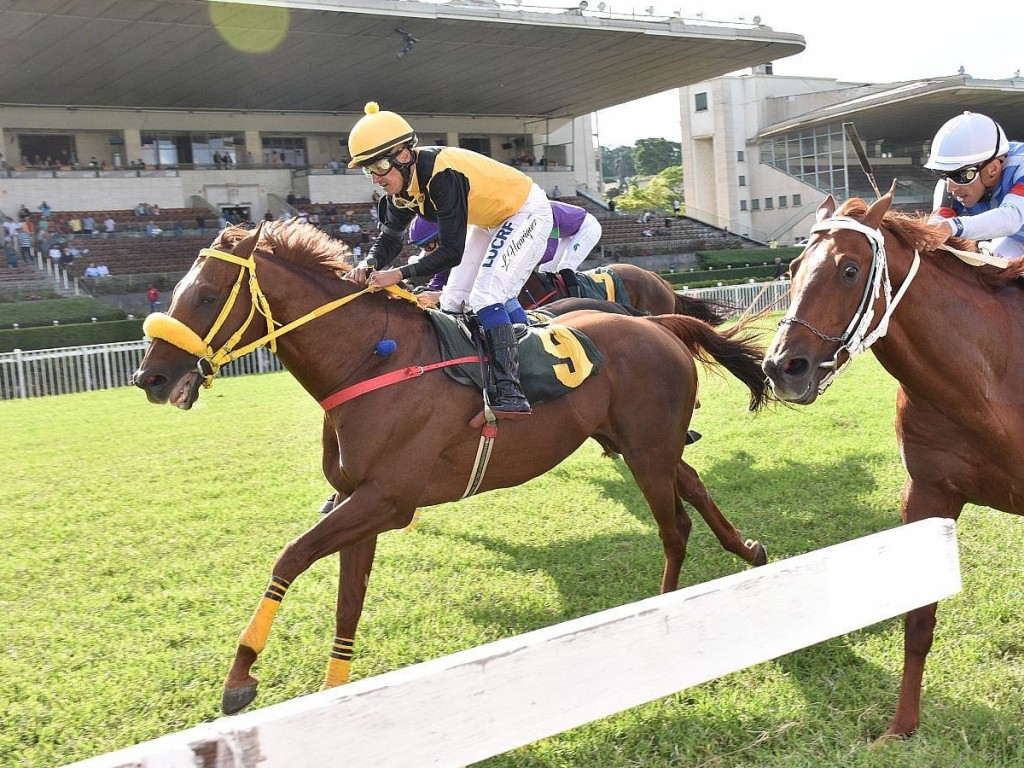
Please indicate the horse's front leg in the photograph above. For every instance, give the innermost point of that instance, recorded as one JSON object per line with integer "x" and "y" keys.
{"x": 361, "y": 516}
{"x": 919, "y": 502}
{"x": 353, "y": 579}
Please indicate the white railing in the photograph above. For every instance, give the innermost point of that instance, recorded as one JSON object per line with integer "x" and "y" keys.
{"x": 40, "y": 372}
{"x": 463, "y": 708}
{"x": 103, "y": 366}
{"x": 748, "y": 298}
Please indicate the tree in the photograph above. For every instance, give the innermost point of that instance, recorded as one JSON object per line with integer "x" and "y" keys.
{"x": 652, "y": 156}
{"x": 665, "y": 189}
{"x": 617, "y": 164}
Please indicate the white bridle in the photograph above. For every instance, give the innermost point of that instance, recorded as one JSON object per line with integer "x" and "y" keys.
{"x": 857, "y": 338}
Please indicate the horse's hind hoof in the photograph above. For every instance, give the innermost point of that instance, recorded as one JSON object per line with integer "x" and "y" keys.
{"x": 234, "y": 700}
{"x": 760, "y": 553}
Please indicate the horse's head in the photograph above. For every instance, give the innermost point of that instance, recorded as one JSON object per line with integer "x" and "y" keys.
{"x": 211, "y": 314}
{"x": 836, "y": 283}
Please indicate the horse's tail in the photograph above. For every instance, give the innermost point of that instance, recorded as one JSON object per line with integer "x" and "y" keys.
{"x": 710, "y": 311}
{"x": 734, "y": 349}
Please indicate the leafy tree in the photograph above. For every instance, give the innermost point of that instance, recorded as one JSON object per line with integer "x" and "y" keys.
{"x": 654, "y": 155}
{"x": 660, "y": 195}
{"x": 617, "y": 164}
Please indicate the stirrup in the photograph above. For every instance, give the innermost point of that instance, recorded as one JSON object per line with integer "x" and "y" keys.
{"x": 692, "y": 436}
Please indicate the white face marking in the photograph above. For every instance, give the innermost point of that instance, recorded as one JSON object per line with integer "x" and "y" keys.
{"x": 187, "y": 281}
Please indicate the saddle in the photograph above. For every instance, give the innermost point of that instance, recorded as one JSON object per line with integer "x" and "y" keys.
{"x": 553, "y": 359}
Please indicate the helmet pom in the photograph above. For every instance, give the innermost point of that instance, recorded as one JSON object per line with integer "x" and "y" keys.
{"x": 371, "y": 108}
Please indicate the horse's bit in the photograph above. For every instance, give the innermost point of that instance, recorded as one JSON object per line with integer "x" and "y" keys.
{"x": 856, "y": 338}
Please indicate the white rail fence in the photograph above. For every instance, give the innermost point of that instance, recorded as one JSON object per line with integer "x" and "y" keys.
{"x": 103, "y": 366}
{"x": 81, "y": 369}
{"x": 472, "y": 705}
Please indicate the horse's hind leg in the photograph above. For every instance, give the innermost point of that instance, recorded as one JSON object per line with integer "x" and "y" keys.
{"x": 692, "y": 489}
{"x": 353, "y": 578}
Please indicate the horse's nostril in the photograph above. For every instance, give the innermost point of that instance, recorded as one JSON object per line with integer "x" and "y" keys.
{"x": 795, "y": 366}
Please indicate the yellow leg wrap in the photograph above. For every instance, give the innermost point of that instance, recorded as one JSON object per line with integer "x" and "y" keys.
{"x": 339, "y": 664}
{"x": 255, "y": 635}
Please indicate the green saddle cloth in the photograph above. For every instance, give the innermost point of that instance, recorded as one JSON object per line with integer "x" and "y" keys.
{"x": 553, "y": 359}
{"x": 602, "y": 283}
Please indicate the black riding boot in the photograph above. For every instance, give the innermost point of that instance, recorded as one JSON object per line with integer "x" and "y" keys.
{"x": 572, "y": 285}
{"x": 507, "y": 398}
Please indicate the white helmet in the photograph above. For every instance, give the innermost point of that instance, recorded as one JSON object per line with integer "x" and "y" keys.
{"x": 967, "y": 139}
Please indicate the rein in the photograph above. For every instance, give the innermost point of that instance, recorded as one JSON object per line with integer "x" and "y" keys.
{"x": 166, "y": 328}
{"x": 856, "y": 338}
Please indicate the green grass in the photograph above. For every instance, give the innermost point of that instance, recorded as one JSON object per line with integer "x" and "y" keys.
{"x": 138, "y": 539}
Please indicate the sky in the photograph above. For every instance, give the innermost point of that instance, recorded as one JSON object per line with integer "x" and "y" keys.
{"x": 868, "y": 41}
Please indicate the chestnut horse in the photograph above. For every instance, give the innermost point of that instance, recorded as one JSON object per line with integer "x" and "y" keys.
{"x": 948, "y": 335}
{"x": 400, "y": 447}
{"x": 646, "y": 291}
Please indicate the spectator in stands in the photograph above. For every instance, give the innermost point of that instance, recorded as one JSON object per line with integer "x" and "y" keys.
{"x": 556, "y": 193}
{"x": 89, "y": 225}
{"x": 102, "y": 270}
{"x": 91, "y": 271}
{"x": 153, "y": 295}
{"x": 648, "y": 232}
{"x": 11, "y": 227}
{"x": 980, "y": 192}
{"x": 490, "y": 240}
{"x": 109, "y": 225}
{"x": 200, "y": 221}
{"x": 11, "y": 252}
{"x": 780, "y": 268}
{"x": 335, "y": 166}
{"x": 25, "y": 245}
{"x": 152, "y": 229}
{"x": 44, "y": 209}
{"x": 56, "y": 255}
{"x": 23, "y": 212}
{"x": 75, "y": 225}
{"x": 140, "y": 209}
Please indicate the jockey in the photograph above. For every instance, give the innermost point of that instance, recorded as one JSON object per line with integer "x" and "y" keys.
{"x": 980, "y": 192}
{"x": 493, "y": 221}
{"x": 574, "y": 236}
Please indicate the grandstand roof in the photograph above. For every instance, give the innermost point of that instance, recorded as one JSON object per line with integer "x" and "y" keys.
{"x": 900, "y": 112}
{"x": 473, "y": 57}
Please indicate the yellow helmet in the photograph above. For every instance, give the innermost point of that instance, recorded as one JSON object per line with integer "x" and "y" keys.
{"x": 376, "y": 133}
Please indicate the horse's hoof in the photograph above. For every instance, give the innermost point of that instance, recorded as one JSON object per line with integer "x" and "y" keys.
{"x": 234, "y": 700}
{"x": 760, "y": 553}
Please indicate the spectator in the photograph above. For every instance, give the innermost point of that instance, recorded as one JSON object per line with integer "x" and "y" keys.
{"x": 109, "y": 225}
{"x": 56, "y": 255}
{"x": 153, "y": 295}
{"x": 10, "y": 252}
{"x": 152, "y": 229}
{"x": 102, "y": 270}
{"x": 23, "y": 212}
{"x": 11, "y": 227}
{"x": 89, "y": 224}
{"x": 780, "y": 268}
{"x": 556, "y": 193}
{"x": 44, "y": 209}
{"x": 91, "y": 271}
{"x": 200, "y": 221}
{"x": 25, "y": 245}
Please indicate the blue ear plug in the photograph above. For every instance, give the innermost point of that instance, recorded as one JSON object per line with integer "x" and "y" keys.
{"x": 385, "y": 347}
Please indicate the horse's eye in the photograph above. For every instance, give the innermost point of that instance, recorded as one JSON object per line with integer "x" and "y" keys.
{"x": 850, "y": 271}
{"x": 205, "y": 301}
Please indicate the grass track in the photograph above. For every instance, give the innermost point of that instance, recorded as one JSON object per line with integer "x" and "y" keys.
{"x": 137, "y": 540}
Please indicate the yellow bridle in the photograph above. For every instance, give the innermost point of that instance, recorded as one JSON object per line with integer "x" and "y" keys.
{"x": 159, "y": 325}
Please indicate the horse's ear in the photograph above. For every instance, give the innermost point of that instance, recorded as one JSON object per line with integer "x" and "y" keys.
{"x": 878, "y": 209}
{"x": 826, "y": 210}
{"x": 247, "y": 245}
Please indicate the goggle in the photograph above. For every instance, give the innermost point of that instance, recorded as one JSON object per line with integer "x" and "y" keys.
{"x": 964, "y": 175}
{"x": 381, "y": 166}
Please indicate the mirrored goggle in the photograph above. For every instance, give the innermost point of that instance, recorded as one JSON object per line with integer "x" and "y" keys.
{"x": 379, "y": 167}
{"x": 963, "y": 176}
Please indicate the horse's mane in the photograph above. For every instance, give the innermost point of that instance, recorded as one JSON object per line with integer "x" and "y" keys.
{"x": 910, "y": 230}
{"x": 296, "y": 241}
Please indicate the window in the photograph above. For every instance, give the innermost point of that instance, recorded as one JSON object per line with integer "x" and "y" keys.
{"x": 755, "y": 205}
{"x": 796, "y": 200}
{"x": 769, "y": 203}
{"x": 743, "y": 205}
{"x": 700, "y": 102}
{"x": 782, "y": 201}
{"x": 739, "y": 156}
{"x": 743, "y": 181}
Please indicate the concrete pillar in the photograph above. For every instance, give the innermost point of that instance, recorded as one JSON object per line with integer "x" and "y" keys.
{"x": 132, "y": 149}
{"x": 254, "y": 146}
